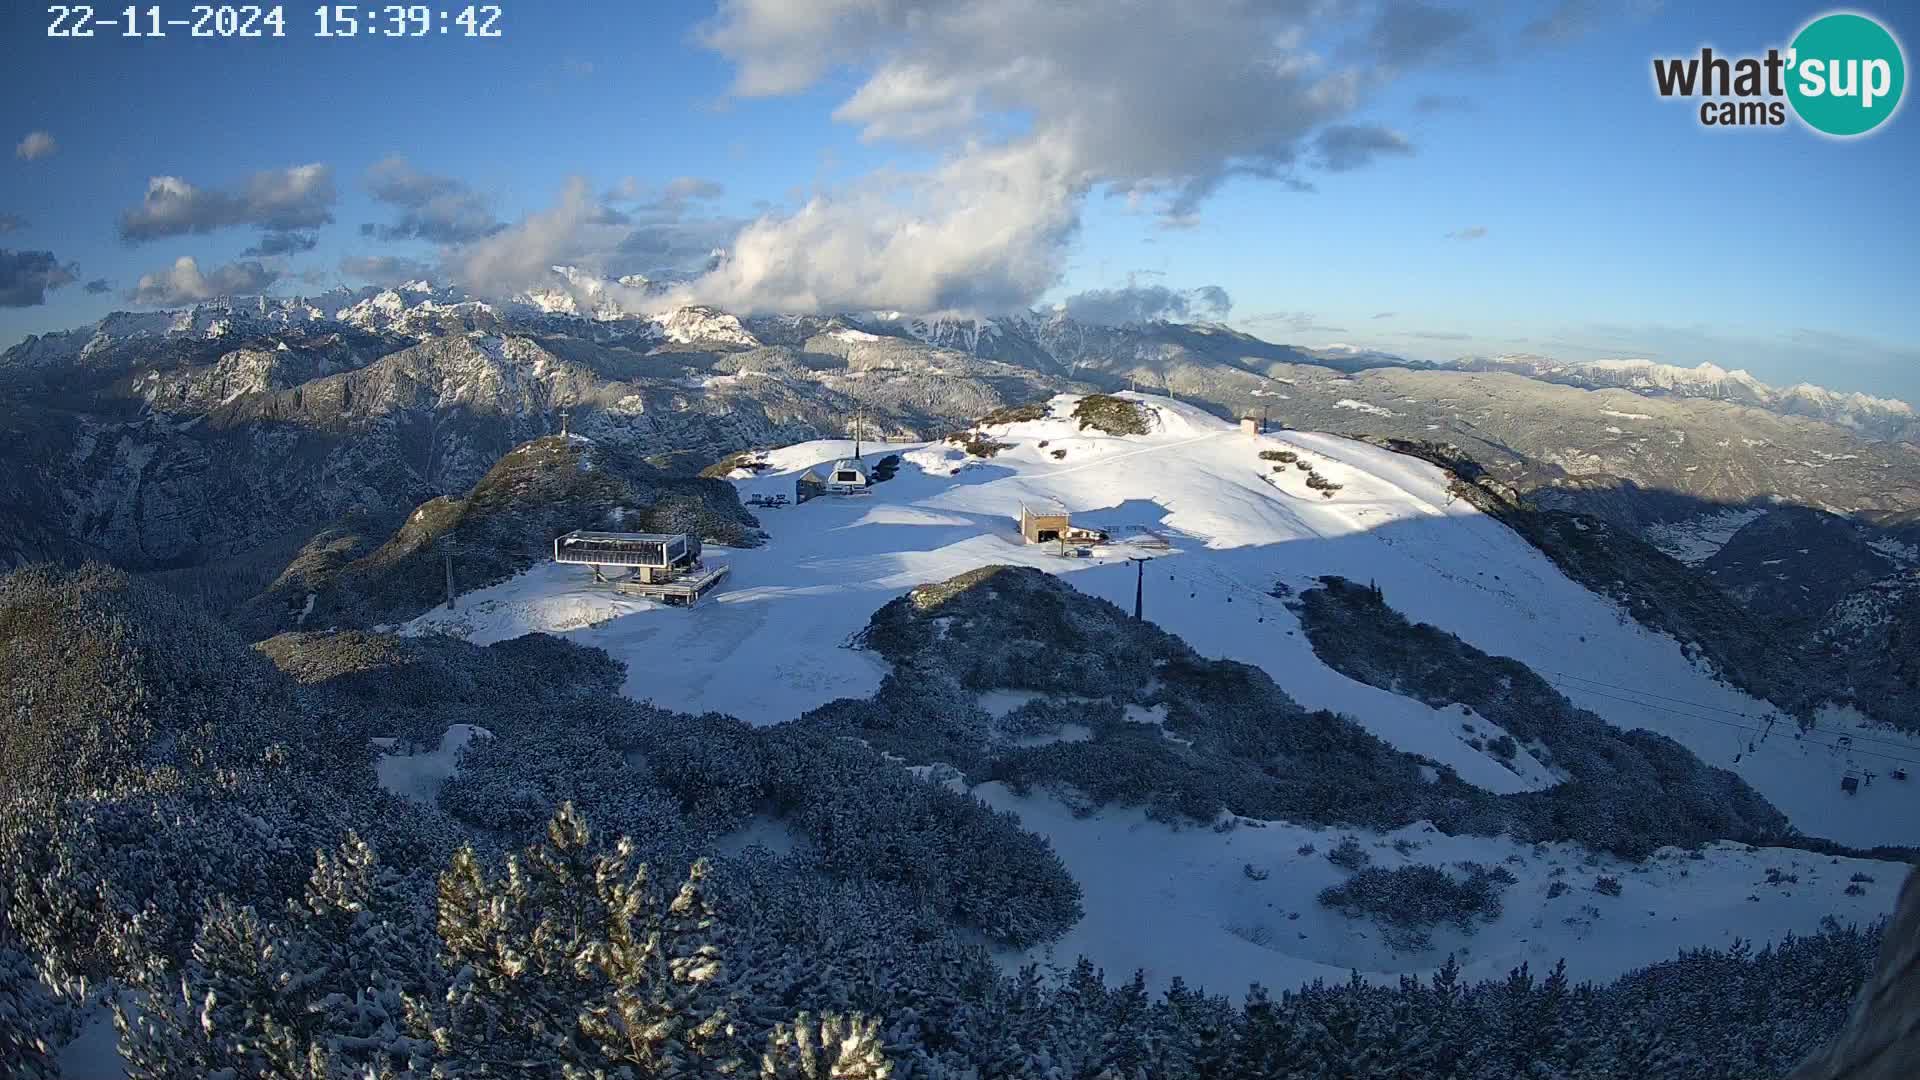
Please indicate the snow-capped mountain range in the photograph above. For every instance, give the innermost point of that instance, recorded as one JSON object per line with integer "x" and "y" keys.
{"x": 641, "y": 306}
{"x": 1877, "y": 417}
{"x": 181, "y": 435}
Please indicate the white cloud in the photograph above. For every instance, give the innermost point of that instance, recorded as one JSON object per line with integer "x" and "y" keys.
{"x": 1029, "y": 107}
{"x": 986, "y": 232}
{"x": 185, "y": 283}
{"x": 574, "y": 231}
{"x": 1033, "y": 105}
{"x": 37, "y": 145}
{"x": 278, "y": 200}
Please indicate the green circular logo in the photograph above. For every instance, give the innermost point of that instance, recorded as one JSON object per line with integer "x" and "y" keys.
{"x": 1845, "y": 74}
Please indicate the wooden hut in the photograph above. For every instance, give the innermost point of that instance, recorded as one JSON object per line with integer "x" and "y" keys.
{"x": 1055, "y": 525}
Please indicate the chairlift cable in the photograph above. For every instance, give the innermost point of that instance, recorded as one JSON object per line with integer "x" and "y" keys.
{"x": 1715, "y": 708}
{"x": 1716, "y": 720}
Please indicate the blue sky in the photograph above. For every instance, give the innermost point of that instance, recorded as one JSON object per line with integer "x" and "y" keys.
{"x": 1516, "y": 184}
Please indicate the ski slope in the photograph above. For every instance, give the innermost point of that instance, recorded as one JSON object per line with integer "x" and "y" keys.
{"x": 1194, "y": 495}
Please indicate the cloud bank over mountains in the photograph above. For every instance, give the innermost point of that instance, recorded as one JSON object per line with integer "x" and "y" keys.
{"x": 1028, "y": 109}
{"x": 185, "y": 283}
{"x": 1035, "y": 107}
{"x": 1146, "y": 303}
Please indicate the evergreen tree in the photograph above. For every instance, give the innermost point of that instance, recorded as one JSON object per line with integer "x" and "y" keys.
{"x": 32, "y": 1020}
{"x": 572, "y": 961}
{"x": 832, "y": 1048}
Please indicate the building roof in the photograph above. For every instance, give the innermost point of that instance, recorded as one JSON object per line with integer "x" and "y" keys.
{"x": 823, "y": 472}
{"x": 619, "y": 537}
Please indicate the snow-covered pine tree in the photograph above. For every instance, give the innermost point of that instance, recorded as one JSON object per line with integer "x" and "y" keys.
{"x": 32, "y": 1020}
{"x": 239, "y": 1010}
{"x": 573, "y": 962}
{"x": 1198, "y": 1032}
{"x": 1271, "y": 1037}
{"x": 317, "y": 994}
{"x": 830, "y": 1048}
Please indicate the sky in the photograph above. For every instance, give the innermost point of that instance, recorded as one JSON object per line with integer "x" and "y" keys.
{"x": 1432, "y": 179}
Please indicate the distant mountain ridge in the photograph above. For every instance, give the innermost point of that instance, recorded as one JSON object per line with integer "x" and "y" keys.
{"x": 1046, "y": 341}
{"x": 1875, "y": 417}
{"x": 165, "y": 439}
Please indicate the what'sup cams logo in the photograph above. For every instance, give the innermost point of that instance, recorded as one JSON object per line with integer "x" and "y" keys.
{"x": 1843, "y": 75}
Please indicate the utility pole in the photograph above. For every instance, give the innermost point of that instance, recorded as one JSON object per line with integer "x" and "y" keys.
{"x": 857, "y": 417}
{"x": 563, "y": 423}
{"x": 1139, "y": 584}
{"x": 444, "y": 545}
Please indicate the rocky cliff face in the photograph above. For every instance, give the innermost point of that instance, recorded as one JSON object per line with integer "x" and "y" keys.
{"x": 1882, "y": 1038}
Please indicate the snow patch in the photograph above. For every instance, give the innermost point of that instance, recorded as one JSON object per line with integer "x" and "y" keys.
{"x": 1362, "y": 406}
{"x": 1698, "y": 539}
{"x": 1219, "y": 927}
{"x": 418, "y": 776}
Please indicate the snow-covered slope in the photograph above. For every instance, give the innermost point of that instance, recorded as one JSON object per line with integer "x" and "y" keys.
{"x": 1236, "y": 527}
{"x": 1217, "y": 923}
{"x": 1223, "y": 528}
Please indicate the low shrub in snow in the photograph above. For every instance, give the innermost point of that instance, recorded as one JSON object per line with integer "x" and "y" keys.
{"x": 1113, "y": 415}
{"x": 1411, "y": 900}
{"x": 1349, "y": 855}
{"x": 1015, "y": 414}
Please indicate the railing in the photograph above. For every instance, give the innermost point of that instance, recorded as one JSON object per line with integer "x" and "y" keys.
{"x": 598, "y": 552}
{"x": 589, "y": 555}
